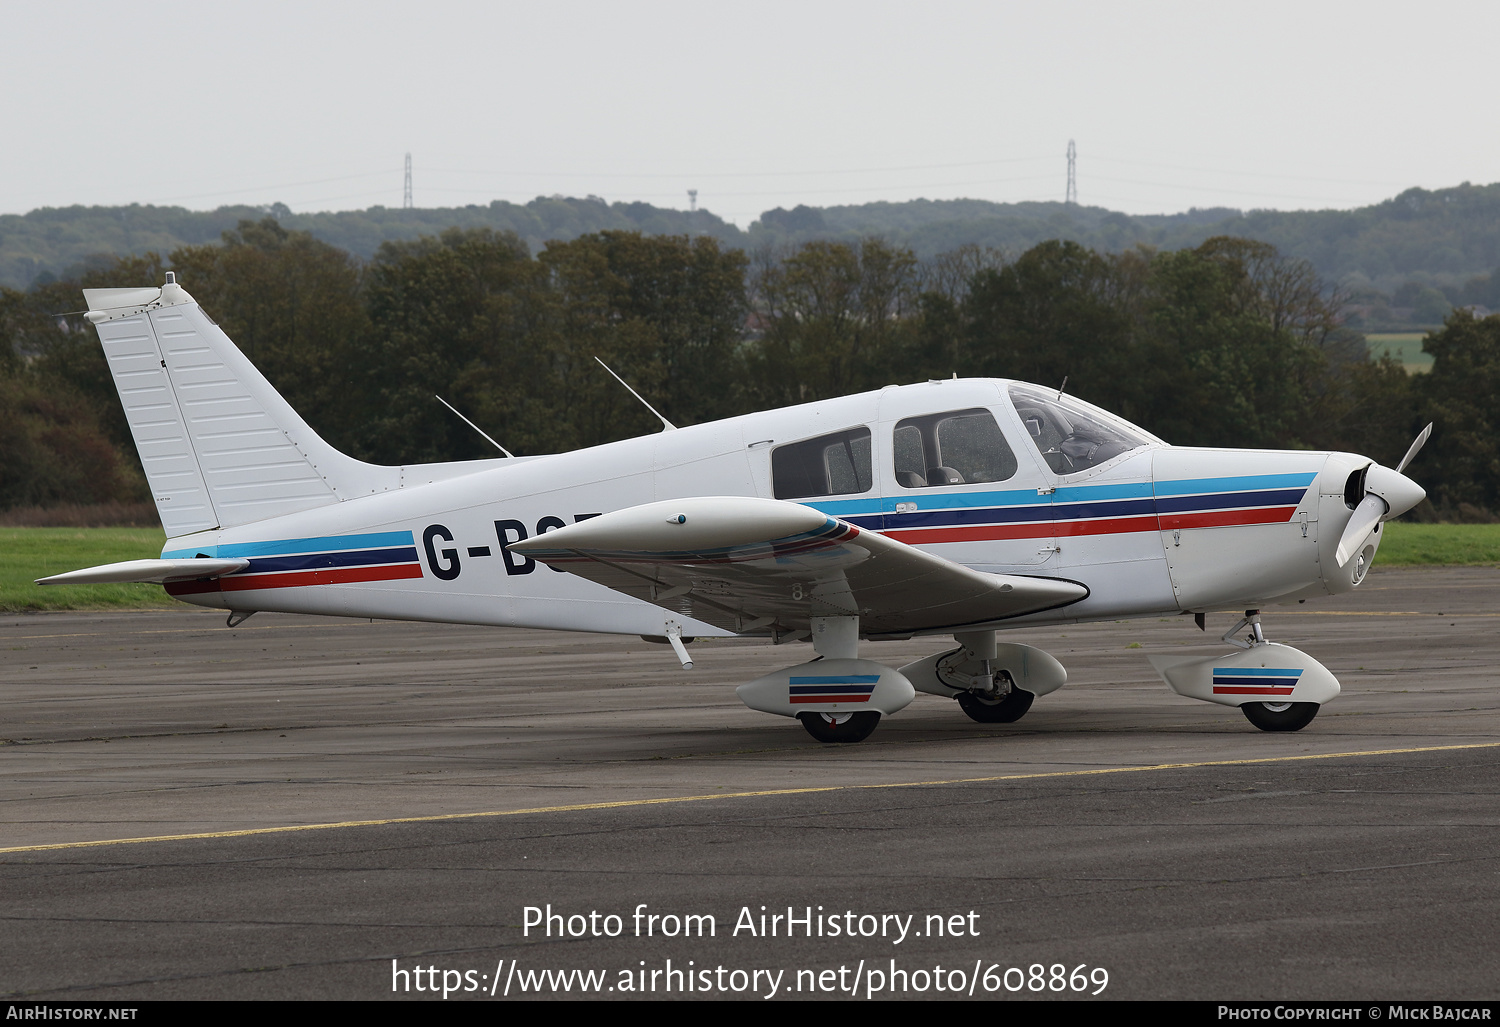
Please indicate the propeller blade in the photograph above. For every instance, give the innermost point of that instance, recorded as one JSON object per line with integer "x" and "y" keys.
{"x": 1366, "y": 515}
{"x": 1416, "y": 447}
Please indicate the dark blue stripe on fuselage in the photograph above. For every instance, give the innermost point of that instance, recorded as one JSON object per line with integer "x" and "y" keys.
{"x": 1229, "y": 500}
{"x": 314, "y": 561}
{"x": 1078, "y": 511}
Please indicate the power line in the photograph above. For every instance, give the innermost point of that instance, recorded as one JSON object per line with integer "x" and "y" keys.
{"x": 267, "y": 188}
{"x": 734, "y": 174}
{"x": 1072, "y": 195}
{"x": 481, "y": 190}
{"x": 1248, "y": 174}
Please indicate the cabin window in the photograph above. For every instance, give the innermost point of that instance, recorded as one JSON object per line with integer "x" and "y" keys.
{"x": 829, "y": 465}
{"x": 957, "y": 447}
{"x": 1072, "y": 435}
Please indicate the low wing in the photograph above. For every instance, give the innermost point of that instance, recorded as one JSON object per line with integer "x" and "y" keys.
{"x": 157, "y": 571}
{"x": 761, "y": 565}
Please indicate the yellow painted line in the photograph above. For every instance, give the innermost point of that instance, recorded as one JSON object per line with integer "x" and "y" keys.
{"x": 624, "y": 803}
{"x": 1373, "y": 613}
{"x": 219, "y": 626}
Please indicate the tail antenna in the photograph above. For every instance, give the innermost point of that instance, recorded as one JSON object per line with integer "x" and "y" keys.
{"x": 476, "y": 427}
{"x": 666, "y": 424}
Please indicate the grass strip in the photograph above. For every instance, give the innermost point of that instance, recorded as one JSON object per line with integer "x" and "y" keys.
{"x": 1443, "y": 545}
{"x": 30, "y": 553}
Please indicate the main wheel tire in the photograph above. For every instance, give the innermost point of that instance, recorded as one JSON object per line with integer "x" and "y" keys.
{"x": 1280, "y": 716}
{"x": 840, "y": 727}
{"x": 1007, "y": 709}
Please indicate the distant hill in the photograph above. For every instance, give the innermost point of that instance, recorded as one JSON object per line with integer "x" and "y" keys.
{"x": 1441, "y": 237}
{"x": 55, "y": 241}
{"x": 1444, "y": 238}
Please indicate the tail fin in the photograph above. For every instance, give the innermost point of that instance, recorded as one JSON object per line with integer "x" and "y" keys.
{"x": 219, "y": 445}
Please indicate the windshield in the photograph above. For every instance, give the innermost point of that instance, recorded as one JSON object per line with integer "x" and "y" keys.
{"x": 1071, "y": 435}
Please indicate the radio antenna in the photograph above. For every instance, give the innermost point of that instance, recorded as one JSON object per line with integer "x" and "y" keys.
{"x": 666, "y": 424}
{"x": 476, "y": 427}
{"x": 1060, "y": 388}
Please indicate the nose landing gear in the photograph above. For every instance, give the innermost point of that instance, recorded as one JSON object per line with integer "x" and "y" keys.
{"x": 1276, "y": 687}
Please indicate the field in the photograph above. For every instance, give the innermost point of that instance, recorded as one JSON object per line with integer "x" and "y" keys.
{"x": 29, "y": 553}
{"x": 1404, "y": 346}
{"x": 1452, "y": 545}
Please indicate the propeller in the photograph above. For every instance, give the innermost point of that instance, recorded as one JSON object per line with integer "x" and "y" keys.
{"x": 1416, "y": 447}
{"x": 1388, "y": 494}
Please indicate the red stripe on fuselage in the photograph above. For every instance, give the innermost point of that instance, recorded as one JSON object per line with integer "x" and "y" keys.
{"x": 1036, "y": 529}
{"x": 1250, "y": 690}
{"x": 1100, "y": 526}
{"x": 857, "y": 697}
{"x": 1226, "y": 518}
{"x": 290, "y": 579}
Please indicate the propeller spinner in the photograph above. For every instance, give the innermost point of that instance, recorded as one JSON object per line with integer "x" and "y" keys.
{"x": 1388, "y": 493}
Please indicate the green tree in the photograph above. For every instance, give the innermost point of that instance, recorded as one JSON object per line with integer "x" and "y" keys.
{"x": 666, "y": 312}
{"x": 1049, "y": 315}
{"x": 449, "y": 317}
{"x": 1462, "y": 397}
{"x": 58, "y": 435}
{"x": 292, "y": 304}
{"x": 834, "y": 319}
{"x": 1215, "y": 368}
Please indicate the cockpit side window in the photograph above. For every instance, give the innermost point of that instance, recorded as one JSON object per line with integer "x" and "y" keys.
{"x": 1070, "y": 435}
{"x": 957, "y": 447}
{"x": 829, "y": 465}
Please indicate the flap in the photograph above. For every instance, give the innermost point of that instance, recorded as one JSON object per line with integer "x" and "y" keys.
{"x": 760, "y": 566}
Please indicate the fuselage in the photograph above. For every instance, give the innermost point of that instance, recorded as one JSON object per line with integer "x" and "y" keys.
{"x": 996, "y": 475}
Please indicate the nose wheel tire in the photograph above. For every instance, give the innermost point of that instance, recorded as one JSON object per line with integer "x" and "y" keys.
{"x": 1280, "y": 716}
{"x": 1007, "y": 709}
{"x": 840, "y": 727}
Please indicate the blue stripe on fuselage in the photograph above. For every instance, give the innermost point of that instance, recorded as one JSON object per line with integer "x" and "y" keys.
{"x": 1074, "y": 502}
{"x": 1236, "y": 484}
{"x": 282, "y": 547}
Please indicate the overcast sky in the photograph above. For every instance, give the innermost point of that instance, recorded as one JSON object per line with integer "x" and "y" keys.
{"x": 756, "y": 105}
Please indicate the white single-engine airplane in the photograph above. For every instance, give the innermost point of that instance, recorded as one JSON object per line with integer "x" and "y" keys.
{"x": 954, "y": 507}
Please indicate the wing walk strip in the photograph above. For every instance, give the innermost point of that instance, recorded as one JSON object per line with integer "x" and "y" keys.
{"x": 667, "y": 800}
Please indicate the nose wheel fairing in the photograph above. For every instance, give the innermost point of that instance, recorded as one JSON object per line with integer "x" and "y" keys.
{"x": 1267, "y": 672}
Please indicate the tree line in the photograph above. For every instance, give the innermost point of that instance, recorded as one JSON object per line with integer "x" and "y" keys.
{"x": 1442, "y": 246}
{"x": 1229, "y": 343}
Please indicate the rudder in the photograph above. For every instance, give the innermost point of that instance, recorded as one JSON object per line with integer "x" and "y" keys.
{"x": 218, "y": 443}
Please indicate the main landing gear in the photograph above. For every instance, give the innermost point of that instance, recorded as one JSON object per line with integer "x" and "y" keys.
{"x": 1007, "y": 709}
{"x": 837, "y": 697}
{"x": 994, "y": 682}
